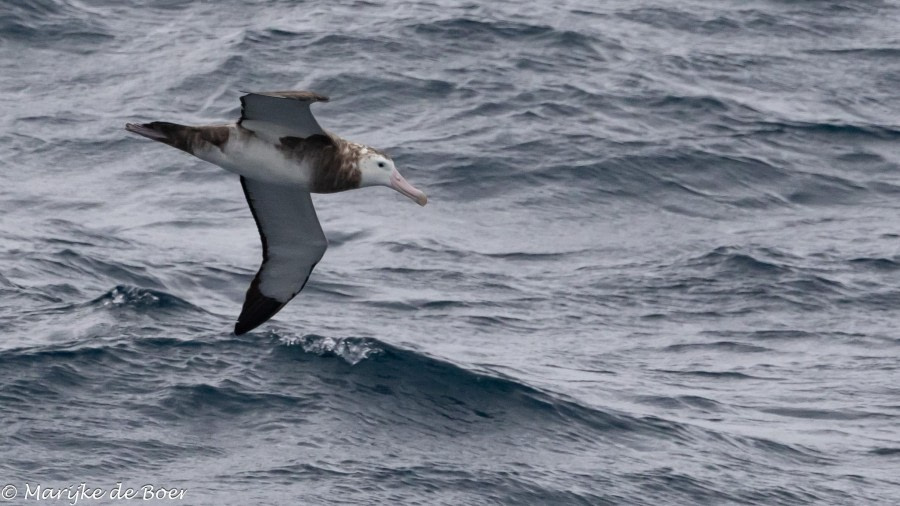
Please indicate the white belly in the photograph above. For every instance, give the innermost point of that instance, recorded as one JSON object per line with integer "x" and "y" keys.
{"x": 255, "y": 158}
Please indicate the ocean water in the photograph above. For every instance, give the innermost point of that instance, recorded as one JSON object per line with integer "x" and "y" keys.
{"x": 660, "y": 263}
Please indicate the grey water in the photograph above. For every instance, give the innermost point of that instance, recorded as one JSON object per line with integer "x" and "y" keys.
{"x": 660, "y": 263}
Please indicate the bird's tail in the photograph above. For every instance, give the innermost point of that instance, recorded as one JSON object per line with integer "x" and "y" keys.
{"x": 185, "y": 138}
{"x": 158, "y": 130}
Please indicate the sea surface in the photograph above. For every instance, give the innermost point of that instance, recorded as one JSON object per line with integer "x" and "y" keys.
{"x": 660, "y": 263}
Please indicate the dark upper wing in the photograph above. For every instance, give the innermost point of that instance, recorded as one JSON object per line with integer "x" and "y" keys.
{"x": 284, "y": 113}
{"x": 293, "y": 243}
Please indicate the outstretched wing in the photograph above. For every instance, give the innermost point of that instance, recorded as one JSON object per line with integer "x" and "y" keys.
{"x": 292, "y": 244}
{"x": 279, "y": 114}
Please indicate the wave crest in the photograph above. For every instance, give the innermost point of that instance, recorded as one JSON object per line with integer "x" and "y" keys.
{"x": 352, "y": 349}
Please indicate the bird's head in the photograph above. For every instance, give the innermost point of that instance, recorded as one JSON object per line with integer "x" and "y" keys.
{"x": 377, "y": 169}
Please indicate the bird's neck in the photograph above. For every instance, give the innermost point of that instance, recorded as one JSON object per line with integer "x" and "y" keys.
{"x": 339, "y": 170}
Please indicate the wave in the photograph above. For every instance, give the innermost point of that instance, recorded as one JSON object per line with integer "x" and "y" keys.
{"x": 466, "y": 29}
{"x": 445, "y": 386}
{"x": 718, "y": 346}
{"x": 356, "y": 368}
{"x": 273, "y": 380}
{"x": 684, "y": 180}
{"x": 744, "y": 280}
{"x": 315, "y": 393}
{"x": 46, "y": 23}
{"x": 75, "y": 263}
{"x": 865, "y": 52}
{"x": 352, "y": 350}
{"x": 742, "y": 21}
{"x": 735, "y": 261}
{"x": 835, "y": 130}
{"x": 142, "y": 299}
{"x": 875, "y": 263}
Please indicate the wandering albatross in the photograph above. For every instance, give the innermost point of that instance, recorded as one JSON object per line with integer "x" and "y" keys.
{"x": 282, "y": 154}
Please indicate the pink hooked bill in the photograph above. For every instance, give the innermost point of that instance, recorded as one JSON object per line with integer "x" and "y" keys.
{"x": 402, "y": 186}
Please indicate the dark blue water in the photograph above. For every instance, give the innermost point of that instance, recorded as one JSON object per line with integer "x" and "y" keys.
{"x": 660, "y": 263}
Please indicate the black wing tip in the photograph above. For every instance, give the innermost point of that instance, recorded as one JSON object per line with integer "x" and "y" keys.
{"x": 260, "y": 312}
{"x": 258, "y": 309}
{"x": 241, "y": 328}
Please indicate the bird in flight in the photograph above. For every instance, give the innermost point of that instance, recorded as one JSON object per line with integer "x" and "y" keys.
{"x": 282, "y": 155}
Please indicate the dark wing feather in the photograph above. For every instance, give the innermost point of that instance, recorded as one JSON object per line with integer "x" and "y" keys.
{"x": 292, "y": 242}
{"x": 287, "y": 111}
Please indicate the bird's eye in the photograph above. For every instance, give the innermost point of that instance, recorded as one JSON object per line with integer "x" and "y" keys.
{"x": 381, "y": 164}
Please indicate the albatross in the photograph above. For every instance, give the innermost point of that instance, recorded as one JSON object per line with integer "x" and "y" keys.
{"x": 282, "y": 155}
